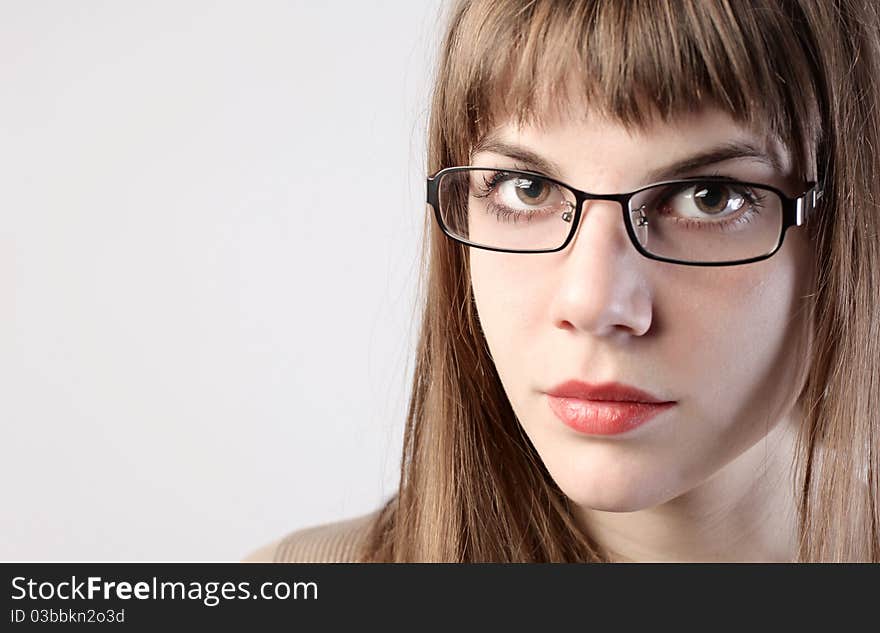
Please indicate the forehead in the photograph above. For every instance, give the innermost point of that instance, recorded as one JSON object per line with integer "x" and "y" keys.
{"x": 562, "y": 144}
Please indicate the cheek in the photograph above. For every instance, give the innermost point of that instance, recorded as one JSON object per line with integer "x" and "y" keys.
{"x": 736, "y": 331}
{"x": 736, "y": 350}
{"x": 509, "y": 291}
{"x": 716, "y": 327}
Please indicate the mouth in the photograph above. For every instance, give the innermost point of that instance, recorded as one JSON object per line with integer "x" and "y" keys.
{"x": 604, "y": 409}
{"x": 604, "y": 417}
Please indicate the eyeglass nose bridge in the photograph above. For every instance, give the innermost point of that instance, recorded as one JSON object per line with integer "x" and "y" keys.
{"x": 637, "y": 223}
{"x": 622, "y": 200}
{"x": 571, "y": 208}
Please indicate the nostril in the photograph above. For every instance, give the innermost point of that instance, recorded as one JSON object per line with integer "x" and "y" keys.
{"x": 565, "y": 325}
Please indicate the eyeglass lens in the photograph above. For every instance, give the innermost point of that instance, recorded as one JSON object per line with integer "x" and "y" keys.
{"x": 696, "y": 221}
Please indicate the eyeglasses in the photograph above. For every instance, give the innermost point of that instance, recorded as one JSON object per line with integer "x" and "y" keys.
{"x": 695, "y": 221}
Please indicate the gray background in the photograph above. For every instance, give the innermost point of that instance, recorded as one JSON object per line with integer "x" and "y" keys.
{"x": 210, "y": 216}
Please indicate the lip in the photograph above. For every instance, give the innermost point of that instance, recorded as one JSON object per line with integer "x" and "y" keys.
{"x": 608, "y": 408}
{"x": 611, "y": 391}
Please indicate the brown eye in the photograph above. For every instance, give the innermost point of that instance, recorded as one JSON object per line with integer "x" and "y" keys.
{"x": 712, "y": 199}
{"x": 531, "y": 191}
{"x": 703, "y": 201}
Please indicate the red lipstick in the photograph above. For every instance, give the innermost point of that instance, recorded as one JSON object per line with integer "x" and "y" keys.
{"x": 604, "y": 409}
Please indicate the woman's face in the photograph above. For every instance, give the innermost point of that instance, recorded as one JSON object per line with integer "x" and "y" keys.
{"x": 721, "y": 342}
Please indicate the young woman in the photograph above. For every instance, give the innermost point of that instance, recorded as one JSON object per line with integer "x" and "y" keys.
{"x": 651, "y": 322}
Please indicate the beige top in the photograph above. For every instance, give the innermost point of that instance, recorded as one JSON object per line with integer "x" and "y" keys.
{"x": 335, "y": 542}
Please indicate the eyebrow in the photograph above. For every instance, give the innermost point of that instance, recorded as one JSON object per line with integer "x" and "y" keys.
{"x": 725, "y": 151}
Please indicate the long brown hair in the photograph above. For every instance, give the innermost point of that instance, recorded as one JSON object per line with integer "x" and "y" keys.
{"x": 472, "y": 487}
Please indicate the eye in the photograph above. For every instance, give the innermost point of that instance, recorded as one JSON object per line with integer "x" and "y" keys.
{"x": 532, "y": 191}
{"x": 706, "y": 199}
{"x": 516, "y": 191}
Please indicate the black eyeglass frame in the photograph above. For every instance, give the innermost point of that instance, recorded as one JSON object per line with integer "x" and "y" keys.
{"x": 795, "y": 211}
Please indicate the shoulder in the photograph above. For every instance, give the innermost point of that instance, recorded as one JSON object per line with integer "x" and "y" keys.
{"x": 334, "y": 542}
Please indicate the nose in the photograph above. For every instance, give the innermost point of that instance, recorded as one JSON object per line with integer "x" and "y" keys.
{"x": 603, "y": 286}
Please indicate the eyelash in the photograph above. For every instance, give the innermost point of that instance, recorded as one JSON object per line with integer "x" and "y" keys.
{"x": 508, "y": 215}
{"x": 502, "y": 213}
{"x": 754, "y": 207}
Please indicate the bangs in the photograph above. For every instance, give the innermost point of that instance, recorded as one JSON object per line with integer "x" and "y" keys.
{"x": 633, "y": 62}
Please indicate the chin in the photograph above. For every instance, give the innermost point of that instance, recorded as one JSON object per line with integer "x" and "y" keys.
{"x": 614, "y": 490}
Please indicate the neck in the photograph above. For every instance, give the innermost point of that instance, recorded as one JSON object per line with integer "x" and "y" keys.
{"x": 746, "y": 512}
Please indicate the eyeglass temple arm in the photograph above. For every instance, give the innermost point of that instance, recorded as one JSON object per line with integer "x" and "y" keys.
{"x": 806, "y": 204}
